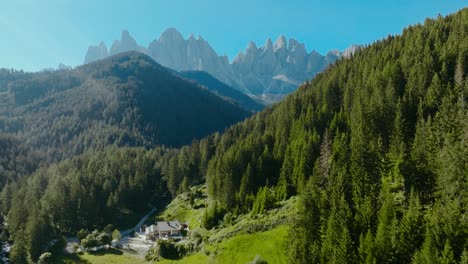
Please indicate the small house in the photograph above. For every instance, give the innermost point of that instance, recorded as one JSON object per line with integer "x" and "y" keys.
{"x": 165, "y": 230}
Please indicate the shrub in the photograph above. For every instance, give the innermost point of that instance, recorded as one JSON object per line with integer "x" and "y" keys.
{"x": 82, "y": 234}
{"x": 75, "y": 248}
{"x": 116, "y": 235}
{"x": 152, "y": 254}
{"x": 213, "y": 215}
{"x": 58, "y": 245}
{"x": 198, "y": 235}
{"x": 104, "y": 239}
{"x": 167, "y": 249}
{"x": 258, "y": 260}
{"x": 184, "y": 248}
{"x": 108, "y": 229}
{"x": 89, "y": 242}
{"x": 227, "y": 220}
{"x": 45, "y": 258}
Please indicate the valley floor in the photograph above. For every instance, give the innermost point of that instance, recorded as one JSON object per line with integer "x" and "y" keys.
{"x": 247, "y": 237}
{"x": 239, "y": 249}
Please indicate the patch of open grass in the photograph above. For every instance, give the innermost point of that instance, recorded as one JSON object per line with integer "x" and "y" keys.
{"x": 270, "y": 245}
{"x": 249, "y": 224}
{"x": 110, "y": 256}
{"x": 198, "y": 258}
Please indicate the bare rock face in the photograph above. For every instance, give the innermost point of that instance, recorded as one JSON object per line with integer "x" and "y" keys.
{"x": 267, "y": 73}
{"x": 347, "y": 53}
{"x": 96, "y": 53}
{"x": 126, "y": 43}
{"x": 169, "y": 49}
{"x": 278, "y": 68}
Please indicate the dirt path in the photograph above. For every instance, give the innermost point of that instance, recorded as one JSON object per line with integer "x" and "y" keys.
{"x": 136, "y": 228}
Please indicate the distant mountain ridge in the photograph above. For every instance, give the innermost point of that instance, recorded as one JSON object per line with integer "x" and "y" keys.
{"x": 223, "y": 90}
{"x": 124, "y": 100}
{"x": 266, "y": 73}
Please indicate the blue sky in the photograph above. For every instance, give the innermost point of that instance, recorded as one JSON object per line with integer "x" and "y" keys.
{"x": 39, "y": 34}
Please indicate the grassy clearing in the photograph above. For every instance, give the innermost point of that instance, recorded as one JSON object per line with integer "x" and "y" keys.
{"x": 270, "y": 245}
{"x": 111, "y": 256}
{"x": 198, "y": 258}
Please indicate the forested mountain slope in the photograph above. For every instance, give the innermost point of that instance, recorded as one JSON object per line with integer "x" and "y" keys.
{"x": 222, "y": 89}
{"x": 376, "y": 147}
{"x": 126, "y": 100}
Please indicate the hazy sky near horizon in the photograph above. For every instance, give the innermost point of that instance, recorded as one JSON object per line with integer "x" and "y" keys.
{"x": 41, "y": 34}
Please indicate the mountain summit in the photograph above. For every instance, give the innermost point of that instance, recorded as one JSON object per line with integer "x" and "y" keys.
{"x": 266, "y": 73}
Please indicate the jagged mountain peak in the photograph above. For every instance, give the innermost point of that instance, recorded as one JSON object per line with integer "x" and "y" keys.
{"x": 251, "y": 47}
{"x": 171, "y": 34}
{"x": 268, "y": 45}
{"x": 280, "y": 43}
{"x": 294, "y": 43}
{"x": 96, "y": 52}
{"x": 126, "y": 36}
{"x": 238, "y": 58}
{"x": 296, "y": 46}
{"x": 252, "y": 71}
{"x": 126, "y": 43}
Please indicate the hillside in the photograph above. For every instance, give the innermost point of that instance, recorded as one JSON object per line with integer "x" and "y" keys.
{"x": 239, "y": 239}
{"x": 223, "y": 90}
{"x": 372, "y": 153}
{"x": 126, "y": 100}
{"x": 375, "y": 147}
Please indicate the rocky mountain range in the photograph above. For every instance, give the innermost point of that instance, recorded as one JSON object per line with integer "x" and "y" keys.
{"x": 266, "y": 73}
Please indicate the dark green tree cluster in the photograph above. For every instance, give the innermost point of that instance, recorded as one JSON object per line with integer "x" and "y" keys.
{"x": 87, "y": 192}
{"x": 16, "y": 160}
{"x": 94, "y": 189}
{"x": 167, "y": 249}
{"x": 96, "y": 239}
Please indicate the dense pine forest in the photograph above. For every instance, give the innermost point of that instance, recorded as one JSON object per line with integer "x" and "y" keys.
{"x": 126, "y": 100}
{"x": 375, "y": 147}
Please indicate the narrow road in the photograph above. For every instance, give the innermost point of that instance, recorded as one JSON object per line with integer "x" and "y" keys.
{"x": 136, "y": 228}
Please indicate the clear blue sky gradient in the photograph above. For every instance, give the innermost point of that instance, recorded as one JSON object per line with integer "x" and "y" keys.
{"x": 39, "y": 34}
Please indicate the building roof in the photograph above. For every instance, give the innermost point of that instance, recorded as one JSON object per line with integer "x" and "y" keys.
{"x": 168, "y": 226}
